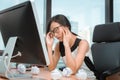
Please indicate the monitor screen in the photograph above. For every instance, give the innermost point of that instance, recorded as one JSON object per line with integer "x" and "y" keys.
{"x": 20, "y": 21}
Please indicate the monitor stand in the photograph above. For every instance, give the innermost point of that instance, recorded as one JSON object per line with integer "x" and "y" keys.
{"x": 6, "y": 56}
{"x": 5, "y": 61}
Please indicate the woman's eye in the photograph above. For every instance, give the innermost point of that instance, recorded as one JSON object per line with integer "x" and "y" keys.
{"x": 56, "y": 29}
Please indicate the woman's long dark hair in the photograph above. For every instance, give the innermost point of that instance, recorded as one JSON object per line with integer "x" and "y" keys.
{"x": 61, "y": 19}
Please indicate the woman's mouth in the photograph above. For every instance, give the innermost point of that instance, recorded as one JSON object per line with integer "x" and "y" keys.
{"x": 59, "y": 38}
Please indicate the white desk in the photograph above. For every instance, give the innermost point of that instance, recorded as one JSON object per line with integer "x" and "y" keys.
{"x": 45, "y": 75}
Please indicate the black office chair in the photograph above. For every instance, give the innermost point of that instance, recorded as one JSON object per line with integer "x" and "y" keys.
{"x": 106, "y": 49}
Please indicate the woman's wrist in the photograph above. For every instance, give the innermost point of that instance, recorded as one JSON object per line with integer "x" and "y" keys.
{"x": 49, "y": 46}
{"x": 49, "y": 49}
{"x": 66, "y": 45}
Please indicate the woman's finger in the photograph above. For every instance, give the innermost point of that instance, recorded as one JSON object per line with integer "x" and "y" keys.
{"x": 64, "y": 30}
{"x": 50, "y": 35}
{"x": 67, "y": 30}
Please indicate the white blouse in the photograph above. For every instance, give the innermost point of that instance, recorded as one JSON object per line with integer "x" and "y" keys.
{"x": 90, "y": 74}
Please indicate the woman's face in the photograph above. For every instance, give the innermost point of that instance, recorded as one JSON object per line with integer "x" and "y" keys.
{"x": 56, "y": 30}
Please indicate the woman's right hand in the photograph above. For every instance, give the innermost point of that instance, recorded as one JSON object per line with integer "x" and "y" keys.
{"x": 49, "y": 39}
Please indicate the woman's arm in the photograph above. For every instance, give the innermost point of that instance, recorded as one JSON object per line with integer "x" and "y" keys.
{"x": 75, "y": 63}
{"x": 53, "y": 57}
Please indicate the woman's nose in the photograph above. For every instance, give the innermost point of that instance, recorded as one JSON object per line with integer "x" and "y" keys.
{"x": 55, "y": 34}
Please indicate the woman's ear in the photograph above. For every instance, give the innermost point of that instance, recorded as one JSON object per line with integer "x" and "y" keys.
{"x": 67, "y": 27}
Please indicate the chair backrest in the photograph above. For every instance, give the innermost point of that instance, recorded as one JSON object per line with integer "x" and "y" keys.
{"x": 106, "y": 46}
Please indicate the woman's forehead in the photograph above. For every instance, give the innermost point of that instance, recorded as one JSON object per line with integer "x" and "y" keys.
{"x": 54, "y": 24}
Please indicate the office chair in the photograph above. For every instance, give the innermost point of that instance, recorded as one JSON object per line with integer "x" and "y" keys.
{"x": 106, "y": 50}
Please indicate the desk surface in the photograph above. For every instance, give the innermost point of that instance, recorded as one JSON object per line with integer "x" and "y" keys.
{"x": 45, "y": 75}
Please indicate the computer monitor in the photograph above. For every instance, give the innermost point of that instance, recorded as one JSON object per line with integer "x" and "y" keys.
{"x": 22, "y": 21}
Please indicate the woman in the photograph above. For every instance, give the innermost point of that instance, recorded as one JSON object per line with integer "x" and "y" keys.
{"x": 59, "y": 27}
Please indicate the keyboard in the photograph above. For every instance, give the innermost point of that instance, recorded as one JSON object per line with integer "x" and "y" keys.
{"x": 19, "y": 76}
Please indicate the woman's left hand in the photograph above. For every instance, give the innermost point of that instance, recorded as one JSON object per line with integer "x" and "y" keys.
{"x": 66, "y": 36}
